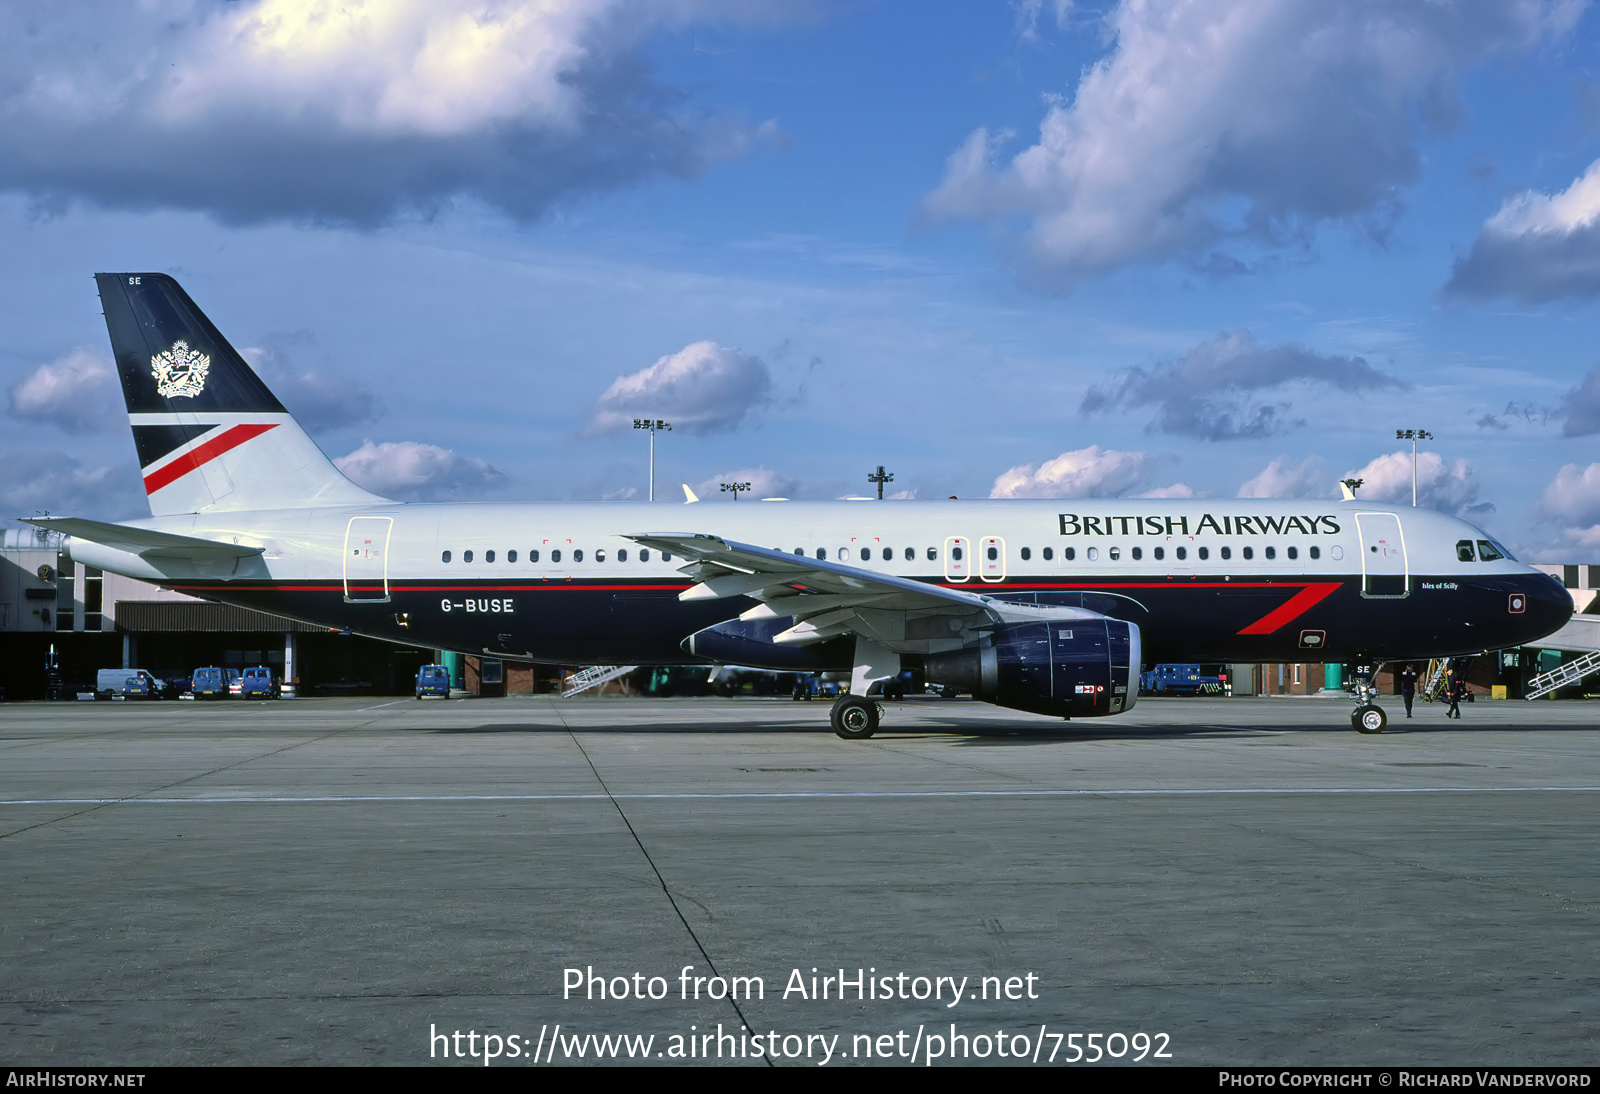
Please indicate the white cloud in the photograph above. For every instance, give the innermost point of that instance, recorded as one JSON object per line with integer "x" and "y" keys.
{"x": 1204, "y": 393}
{"x": 1538, "y": 247}
{"x": 1176, "y": 490}
{"x": 763, "y": 484}
{"x": 703, "y": 388}
{"x": 318, "y": 402}
{"x": 1281, "y": 480}
{"x": 349, "y": 110}
{"x": 1449, "y": 488}
{"x": 55, "y": 482}
{"x": 77, "y": 392}
{"x": 1573, "y": 496}
{"x": 410, "y": 471}
{"x": 1092, "y": 472}
{"x": 1214, "y": 119}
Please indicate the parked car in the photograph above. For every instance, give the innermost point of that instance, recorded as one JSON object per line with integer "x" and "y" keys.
{"x": 108, "y": 682}
{"x": 235, "y": 681}
{"x": 209, "y": 683}
{"x": 141, "y": 685}
{"x": 258, "y": 683}
{"x": 433, "y": 680}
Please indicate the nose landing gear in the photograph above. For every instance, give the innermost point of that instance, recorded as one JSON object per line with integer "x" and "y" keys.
{"x": 1368, "y": 717}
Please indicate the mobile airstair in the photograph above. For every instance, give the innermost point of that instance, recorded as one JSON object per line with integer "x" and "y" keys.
{"x": 1560, "y": 677}
{"x": 593, "y": 677}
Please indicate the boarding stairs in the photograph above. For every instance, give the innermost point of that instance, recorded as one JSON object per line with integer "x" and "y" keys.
{"x": 593, "y": 677}
{"x": 1433, "y": 688}
{"x": 1570, "y": 673}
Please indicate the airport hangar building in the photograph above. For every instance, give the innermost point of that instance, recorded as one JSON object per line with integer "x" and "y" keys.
{"x": 61, "y": 622}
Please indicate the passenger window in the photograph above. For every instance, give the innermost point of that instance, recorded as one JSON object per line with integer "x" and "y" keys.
{"x": 1092, "y": 553}
{"x": 622, "y": 554}
{"x": 866, "y": 554}
{"x": 843, "y": 554}
{"x": 955, "y": 553}
{"x": 1316, "y": 552}
{"x": 511, "y": 556}
{"x": 466, "y": 556}
{"x": 821, "y": 554}
{"x": 1294, "y": 552}
{"x": 533, "y": 555}
{"x": 1205, "y": 553}
{"x": 445, "y": 557}
{"x": 1161, "y": 553}
{"x": 555, "y": 556}
{"x": 1069, "y": 553}
{"x": 1049, "y": 553}
{"x": 1138, "y": 553}
{"x": 1183, "y": 553}
{"x": 911, "y": 554}
{"x": 1027, "y": 553}
{"x": 994, "y": 553}
{"x": 1227, "y": 553}
{"x": 1249, "y": 553}
{"x": 599, "y": 556}
{"x": 488, "y": 556}
{"x": 933, "y": 554}
{"x": 1487, "y": 553}
{"x": 644, "y": 555}
{"x": 1272, "y": 552}
{"x": 1116, "y": 553}
{"x": 665, "y": 557}
{"x": 888, "y": 554}
{"x": 801, "y": 551}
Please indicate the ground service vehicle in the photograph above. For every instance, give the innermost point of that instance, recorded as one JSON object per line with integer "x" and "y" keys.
{"x": 209, "y": 683}
{"x": 109, "y": 682}
{"x": 141, "y": 685}
{"x": 1179, "y": 680}
{"x": 1049, "y": 606}
{"x": 433, "y": 680}
{"x": 258, "y": 683}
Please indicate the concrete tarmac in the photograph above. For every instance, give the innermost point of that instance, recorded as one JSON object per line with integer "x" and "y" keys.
{"x": 1230, "y": 882}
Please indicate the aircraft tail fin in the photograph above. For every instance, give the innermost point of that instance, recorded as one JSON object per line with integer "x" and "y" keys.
{"x": 209, "y": 434}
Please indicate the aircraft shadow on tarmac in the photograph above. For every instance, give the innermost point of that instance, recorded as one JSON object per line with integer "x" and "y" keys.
{"x": 977, "y": 732}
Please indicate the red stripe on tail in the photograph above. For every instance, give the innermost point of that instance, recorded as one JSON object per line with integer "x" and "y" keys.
{"x": 204, "y": 454}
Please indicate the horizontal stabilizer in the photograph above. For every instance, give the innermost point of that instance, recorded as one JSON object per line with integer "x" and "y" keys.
{"x": 143, "y": 541}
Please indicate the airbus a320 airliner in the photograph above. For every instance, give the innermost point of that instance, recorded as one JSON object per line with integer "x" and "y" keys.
{"x": 1044, "y": 606}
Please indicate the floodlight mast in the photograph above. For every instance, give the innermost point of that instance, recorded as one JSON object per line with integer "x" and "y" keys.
{"x": 652, "y": 424}
{"x": 1413, "y": 435}
{"x": 880, "y": 478}
{"x": 734, "y": 488}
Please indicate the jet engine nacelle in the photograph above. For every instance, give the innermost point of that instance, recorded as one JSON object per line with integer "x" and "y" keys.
{"x": 749, "y": 643}
{"x": 1075, "y": 668}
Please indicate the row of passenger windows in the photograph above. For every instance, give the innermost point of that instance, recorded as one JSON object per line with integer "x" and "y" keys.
{"x": 556, "y": 555}
{"x": 1068, "y": 554}
{"x": 1159, "y": 553}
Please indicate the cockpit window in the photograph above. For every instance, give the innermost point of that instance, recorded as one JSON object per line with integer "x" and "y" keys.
{"x": 1464, "y": 551}
{"x": 1489, "y": 551}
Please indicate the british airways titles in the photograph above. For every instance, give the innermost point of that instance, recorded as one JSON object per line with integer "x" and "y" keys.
{"x": 1072, "y": 524}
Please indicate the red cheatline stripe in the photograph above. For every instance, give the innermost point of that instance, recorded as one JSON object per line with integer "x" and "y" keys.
{"x": 1296, "y": 606}
{"x": 204, "y": 454}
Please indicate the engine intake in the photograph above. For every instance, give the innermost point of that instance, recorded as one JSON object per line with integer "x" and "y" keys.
{"x": 1075, "y": 668}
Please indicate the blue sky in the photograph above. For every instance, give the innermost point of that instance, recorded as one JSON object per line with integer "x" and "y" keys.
{"x": 1036, "y": 249}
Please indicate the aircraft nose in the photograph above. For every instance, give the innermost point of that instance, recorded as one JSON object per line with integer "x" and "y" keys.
{"x": 1547, "y": 605}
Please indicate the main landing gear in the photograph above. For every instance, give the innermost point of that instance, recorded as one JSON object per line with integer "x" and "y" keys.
{"x": 854, "y": 717}
{"x": 1368, "y": 717}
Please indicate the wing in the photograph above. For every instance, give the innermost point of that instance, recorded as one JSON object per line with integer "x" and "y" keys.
{"x": 827, "y": 599}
